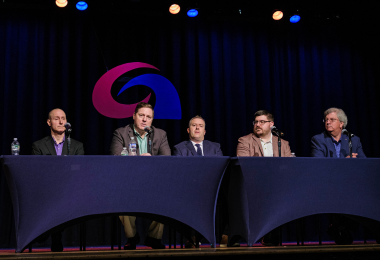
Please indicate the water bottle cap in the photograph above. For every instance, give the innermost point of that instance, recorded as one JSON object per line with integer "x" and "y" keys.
{"x": 124, "y": 148}
{"x": 15, "y": 139}
{"x": 132, "y": 137}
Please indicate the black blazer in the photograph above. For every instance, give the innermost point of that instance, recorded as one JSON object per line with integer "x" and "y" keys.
{"x": 45, "y": 146}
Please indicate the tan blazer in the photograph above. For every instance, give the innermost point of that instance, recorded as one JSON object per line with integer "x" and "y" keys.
{"x": 250, "y": 145}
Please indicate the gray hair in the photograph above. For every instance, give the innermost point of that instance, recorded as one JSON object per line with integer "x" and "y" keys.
{"x": 340, "y": 114}
{"x": 196, "y": 118}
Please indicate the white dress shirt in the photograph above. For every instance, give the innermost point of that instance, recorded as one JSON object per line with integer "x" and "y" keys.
{"x": 267, "y": 147}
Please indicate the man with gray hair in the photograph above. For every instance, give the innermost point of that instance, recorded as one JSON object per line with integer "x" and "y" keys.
{"x": 331, "y": 143}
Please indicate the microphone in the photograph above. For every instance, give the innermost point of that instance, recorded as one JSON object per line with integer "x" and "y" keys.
{"x": 344, "y": 131}
{"x": 276, "y": 131}
{"x": 148, "y": 129}
{"x": 68, "y": 127}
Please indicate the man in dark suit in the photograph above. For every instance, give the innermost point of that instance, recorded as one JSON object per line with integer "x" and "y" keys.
{"x": 143, "y": 118}
{"x": 331, "y": 143}
{"x": 56, "y": 144}
{"x": 197, "y": 146}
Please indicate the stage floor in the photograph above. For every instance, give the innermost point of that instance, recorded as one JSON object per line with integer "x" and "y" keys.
{"x": 326, "y": 251}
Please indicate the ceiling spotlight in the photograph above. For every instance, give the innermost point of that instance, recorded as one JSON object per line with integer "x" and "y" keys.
{"x": 81, "y": 5}
{"x": 192, "y": 12}
{"x": 277, "y": 15}
{"x": 61, "y": 3}
{"x": 295, "y": 18}
{"x": 174, "y": 9}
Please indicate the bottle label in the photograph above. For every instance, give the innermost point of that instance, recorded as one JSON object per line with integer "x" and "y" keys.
{"x": 15, "y": 147}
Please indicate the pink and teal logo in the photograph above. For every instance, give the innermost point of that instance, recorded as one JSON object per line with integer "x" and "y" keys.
{"x": 167, "y": 105}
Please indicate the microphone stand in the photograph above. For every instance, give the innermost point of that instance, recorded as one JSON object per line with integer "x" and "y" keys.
{"x": 68, "y": 132}
{"x": 350, "y": 145}
{"x": 149, "y": 136}
{"x": 279, "y": 146}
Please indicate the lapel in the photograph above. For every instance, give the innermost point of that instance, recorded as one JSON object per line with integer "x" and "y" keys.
{"x": 65, "y": 148}
{"x": 206, "y": 149}
{"x": 130, "y": 134}
{"x": 257, "y": 141}
{"x": 49, "y": 143}
{"x": 330, "y": 145}
{"x": 191, "y": 148}
{"x": 344, "y": 149}
{"x": 275, "y": 146}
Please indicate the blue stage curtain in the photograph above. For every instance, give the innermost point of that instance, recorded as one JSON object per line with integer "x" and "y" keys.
{"x": 224, "y": 69}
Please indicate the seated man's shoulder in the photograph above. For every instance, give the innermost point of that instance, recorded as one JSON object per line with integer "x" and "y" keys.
{"x": 159, "y": 131}
{"x": 41, "y": 141}
{"x": 246, "y": 137}
{"x": 123, "y": 129}
{"x": 320, "y": 136}
{"x": 211, "y": 143}
{"x": 181, "y": 144}
{"x": 73, "y": 141}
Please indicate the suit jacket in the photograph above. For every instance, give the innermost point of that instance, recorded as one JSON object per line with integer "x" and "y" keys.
{"x": 186, "y": 148}
{"x": 323, "y": 146}
{"x": 45, "y": 146}
{"x": 122, "y": 137}
{"x": 250, "y": 145}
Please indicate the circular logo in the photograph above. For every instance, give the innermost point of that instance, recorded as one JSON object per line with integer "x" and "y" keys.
{"x": 167, "y": 106}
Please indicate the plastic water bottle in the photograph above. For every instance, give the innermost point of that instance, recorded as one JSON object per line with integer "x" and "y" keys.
{"x": 15, "y": 147}
{"x": 124, "y": 152}
{"x": 132, "y": 147}
{"x": 293, "y": 155}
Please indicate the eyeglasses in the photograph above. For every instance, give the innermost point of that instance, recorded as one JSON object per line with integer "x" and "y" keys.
{"x": 261, "y": 122}
{"x": 331, "y": 120}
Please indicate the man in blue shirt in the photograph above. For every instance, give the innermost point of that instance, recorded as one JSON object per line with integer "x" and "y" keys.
{"x": 334, "y": 143}
{"x": 331, "y": 143}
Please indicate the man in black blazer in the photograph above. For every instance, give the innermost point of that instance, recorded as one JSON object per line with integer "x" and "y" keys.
{"x": 196, "y": 145}
{"x": 56, "y": 144}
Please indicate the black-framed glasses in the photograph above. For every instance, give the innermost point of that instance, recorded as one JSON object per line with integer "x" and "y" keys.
{"x": 331, "y": 120}
{"x": 261, "y": 122}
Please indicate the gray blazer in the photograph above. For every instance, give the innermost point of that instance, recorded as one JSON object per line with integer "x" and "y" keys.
{"x": 122, "y": 137}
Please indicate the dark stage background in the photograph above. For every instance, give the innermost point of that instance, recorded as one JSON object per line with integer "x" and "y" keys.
{"x": 224, "y": 65}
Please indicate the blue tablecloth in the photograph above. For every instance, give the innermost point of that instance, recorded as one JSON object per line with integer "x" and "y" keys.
{"x": 48, "y": 191}
{"x": 269, "y": 192}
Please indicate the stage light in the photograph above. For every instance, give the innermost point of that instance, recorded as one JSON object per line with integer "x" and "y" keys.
{"x": 61, "y": 3}
{"x": 81, "y": 5}
{"x": 192, "y": 13}
{"x": 277, "y": 15}
{"x": 295, "y": 18}
{"x": 174, "y": 9}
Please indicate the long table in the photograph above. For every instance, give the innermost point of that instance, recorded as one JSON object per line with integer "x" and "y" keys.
{"x": 49, "y": 191}
{"x": 269, "y": 192}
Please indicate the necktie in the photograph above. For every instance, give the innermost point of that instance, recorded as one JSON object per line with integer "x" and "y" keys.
{"x": 199, "y": 150}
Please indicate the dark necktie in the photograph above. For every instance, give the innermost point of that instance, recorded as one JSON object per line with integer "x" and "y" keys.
{"x": 199, "y": 150}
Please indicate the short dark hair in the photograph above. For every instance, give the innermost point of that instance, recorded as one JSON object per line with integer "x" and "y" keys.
{"x": 266, "y": 113}
{"x": 196, "y": 118}
{"x": 143, "y": 104}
